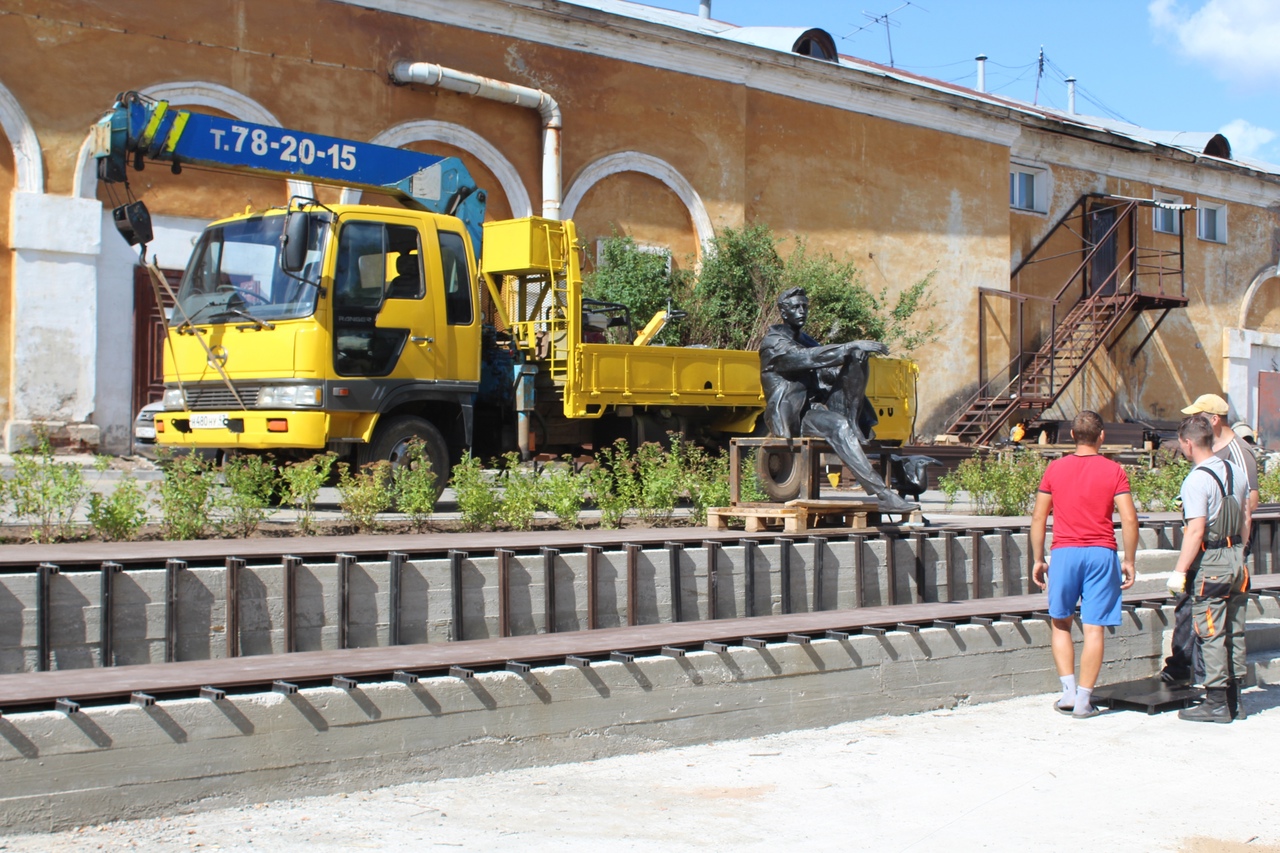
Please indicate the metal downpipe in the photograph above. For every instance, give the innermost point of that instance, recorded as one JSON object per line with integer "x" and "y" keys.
{"x": 430, "y": 74}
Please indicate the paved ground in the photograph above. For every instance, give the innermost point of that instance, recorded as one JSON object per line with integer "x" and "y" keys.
{"x": 1006, "y": 776}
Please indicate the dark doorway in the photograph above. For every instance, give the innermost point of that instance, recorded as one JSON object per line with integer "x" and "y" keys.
{"x": 148, "y": 337}
{"x": 1269, "y": 409}
{"x": 1102, "y": 269}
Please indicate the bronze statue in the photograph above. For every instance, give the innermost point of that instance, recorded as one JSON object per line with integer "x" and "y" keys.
{"x": 816, "y": 390}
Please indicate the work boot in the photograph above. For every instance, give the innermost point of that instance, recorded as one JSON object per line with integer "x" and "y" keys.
{"x": 1212, "y": 710}
{"x": 1234, "y": 705}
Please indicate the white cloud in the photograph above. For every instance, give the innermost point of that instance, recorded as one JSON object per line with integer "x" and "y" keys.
{"x": 1247, "y": 139}
{"x": 1236, "y": 39}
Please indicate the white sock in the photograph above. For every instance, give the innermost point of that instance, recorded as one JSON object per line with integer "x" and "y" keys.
{"x": 1068, "y": 691}
{"x": 1083, "y": 697}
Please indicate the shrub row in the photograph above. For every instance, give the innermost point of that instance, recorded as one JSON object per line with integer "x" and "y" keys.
{"x": 196, "y": 498}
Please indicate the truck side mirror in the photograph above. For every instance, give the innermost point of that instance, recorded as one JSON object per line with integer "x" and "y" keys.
{"x": 297, "y": 234}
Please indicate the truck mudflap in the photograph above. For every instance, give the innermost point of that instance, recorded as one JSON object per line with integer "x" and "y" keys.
{"x": 245, "y": 430}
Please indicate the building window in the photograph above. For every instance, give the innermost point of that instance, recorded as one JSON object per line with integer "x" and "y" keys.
{"x": 1167, "y": 219}
{"x": 1211, "y": 222}
{"x": 1028, "y": 189}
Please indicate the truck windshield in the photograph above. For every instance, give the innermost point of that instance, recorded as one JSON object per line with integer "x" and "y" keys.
{"x": 235, "y": 271}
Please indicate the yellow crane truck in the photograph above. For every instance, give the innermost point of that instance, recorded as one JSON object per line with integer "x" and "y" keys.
{"x": 359, "y": 327}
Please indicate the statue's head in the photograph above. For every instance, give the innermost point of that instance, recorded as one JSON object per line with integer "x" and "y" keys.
{"x": 793, "y": 304}
{"x": 792, "y": 293}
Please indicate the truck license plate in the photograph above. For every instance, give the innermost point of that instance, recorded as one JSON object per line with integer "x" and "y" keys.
{"x": 204, "y": 420}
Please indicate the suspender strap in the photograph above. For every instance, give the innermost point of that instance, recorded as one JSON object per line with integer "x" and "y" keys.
{"x": 1219, "y": 543}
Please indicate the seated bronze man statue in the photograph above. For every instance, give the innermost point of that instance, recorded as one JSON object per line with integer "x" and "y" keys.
{"x": 816, "y": 390}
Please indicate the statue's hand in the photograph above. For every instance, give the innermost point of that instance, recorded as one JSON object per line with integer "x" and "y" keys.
{"x": 872, "y": 347}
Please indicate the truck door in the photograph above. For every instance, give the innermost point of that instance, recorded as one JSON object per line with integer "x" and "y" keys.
{"x": 384, "y": 322}
{"x": 459, "y": 334}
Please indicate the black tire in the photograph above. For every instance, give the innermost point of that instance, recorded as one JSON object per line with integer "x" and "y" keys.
{"x": 779, "y": 473}
{"x": 390, "y": 441}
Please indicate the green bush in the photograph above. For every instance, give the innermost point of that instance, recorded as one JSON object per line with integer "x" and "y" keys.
{"x": 120, "y": 515}
{"x": 45, "y": 493}
{"x": 639, "y": 279}
{"x": 186, "y": 497}
{"x": 614, "y": 483}
{"x": 520, "y": 492}
{"x": 301, "y": 482}
{"x": 997, "y": 485}
{"x": 413, "y": 485}
{"x": 734, "y": 296}
{"x": 1157, "y": 488}
{"x": 563, "y": 492}
{"x": 661, "y": 481}
{"x": 364, "y": 493}
{"x": 842, "y": 309}
{"x": 478, "y": 500}
{"x": 1269, "y": 484}
{"x": 251, "y": 483}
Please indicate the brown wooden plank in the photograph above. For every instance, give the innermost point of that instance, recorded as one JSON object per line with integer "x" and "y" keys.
{"x": 92, "y": 554}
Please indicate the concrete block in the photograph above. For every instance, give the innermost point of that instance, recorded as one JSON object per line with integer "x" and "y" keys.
{"x": 875, "y": 573}
{"x": 611, "y": 589}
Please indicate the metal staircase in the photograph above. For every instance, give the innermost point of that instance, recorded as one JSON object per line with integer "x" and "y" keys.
{"x": 1116, "y": 273}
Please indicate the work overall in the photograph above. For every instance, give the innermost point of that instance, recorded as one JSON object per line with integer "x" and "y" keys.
{"x": 1219, "y": 582}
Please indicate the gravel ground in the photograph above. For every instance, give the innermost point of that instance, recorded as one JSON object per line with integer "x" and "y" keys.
{"x": 1006, "y": 776}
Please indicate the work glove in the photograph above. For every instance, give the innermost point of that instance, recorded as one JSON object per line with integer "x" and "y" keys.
{"x": 1177, "y": 583}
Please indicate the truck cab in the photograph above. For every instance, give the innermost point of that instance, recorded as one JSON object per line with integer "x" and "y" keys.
{"x": 382, "y": 307}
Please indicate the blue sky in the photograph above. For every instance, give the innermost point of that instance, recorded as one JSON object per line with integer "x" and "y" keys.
{"x": 1197, "y": 65}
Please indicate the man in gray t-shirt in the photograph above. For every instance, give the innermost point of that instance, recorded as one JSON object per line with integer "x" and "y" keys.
{"x": 1211, "y": 570}
{"x": 1182, "y": 663}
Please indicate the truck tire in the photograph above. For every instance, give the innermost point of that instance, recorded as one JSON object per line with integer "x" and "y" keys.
{"x": 391, "y": 440}
{"x": 779, "y": 473}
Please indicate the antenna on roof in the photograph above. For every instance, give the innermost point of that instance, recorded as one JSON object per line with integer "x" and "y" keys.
{"x": 887, "y": 21}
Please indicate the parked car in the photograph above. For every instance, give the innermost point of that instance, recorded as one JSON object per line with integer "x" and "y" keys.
{"x": 144, "y": 429}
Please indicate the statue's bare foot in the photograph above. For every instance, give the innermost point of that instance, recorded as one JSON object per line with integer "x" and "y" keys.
{"x": 895, "y": 503}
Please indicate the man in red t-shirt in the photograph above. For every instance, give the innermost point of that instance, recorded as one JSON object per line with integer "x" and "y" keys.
{"x": 1081, "y": 490}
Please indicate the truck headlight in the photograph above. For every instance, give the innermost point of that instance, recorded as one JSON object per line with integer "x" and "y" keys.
{"x": 290, "y": 396}
{"x": 174, "y": 401}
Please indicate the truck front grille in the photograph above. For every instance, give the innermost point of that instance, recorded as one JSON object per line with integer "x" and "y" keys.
{"x": 208, "y": 398}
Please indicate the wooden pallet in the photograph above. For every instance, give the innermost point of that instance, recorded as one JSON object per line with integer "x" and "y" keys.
{"x": 800, "y": 515}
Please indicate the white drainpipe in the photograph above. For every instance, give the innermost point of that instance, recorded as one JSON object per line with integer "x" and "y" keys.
{"x": 430, "y": 74}
{"x": 982, "y": 71}
{"x": 1071, "y": 95}
{"x": 704, "y": 9}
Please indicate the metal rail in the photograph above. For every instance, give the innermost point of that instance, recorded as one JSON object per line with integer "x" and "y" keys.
{"x": 347, "y": 551}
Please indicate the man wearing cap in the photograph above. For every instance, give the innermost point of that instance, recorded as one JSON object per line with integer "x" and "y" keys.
{"x": 1211, "y": 570}
{"x": 1230, "y": 448}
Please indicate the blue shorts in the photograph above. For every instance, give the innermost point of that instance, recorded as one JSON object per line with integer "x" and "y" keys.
{"x": 1087, "y": 576}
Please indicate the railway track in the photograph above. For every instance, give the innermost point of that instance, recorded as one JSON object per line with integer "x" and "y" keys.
{"x": 69, "y": 689}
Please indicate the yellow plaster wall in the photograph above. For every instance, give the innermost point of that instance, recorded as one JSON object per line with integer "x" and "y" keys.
{"x": 642, "y": 208}
{"x": 901, "y": 200}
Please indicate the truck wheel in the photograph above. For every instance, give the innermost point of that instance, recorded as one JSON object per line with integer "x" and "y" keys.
{"x": 779, "y": 473}
{"x": 391, "y": 443}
